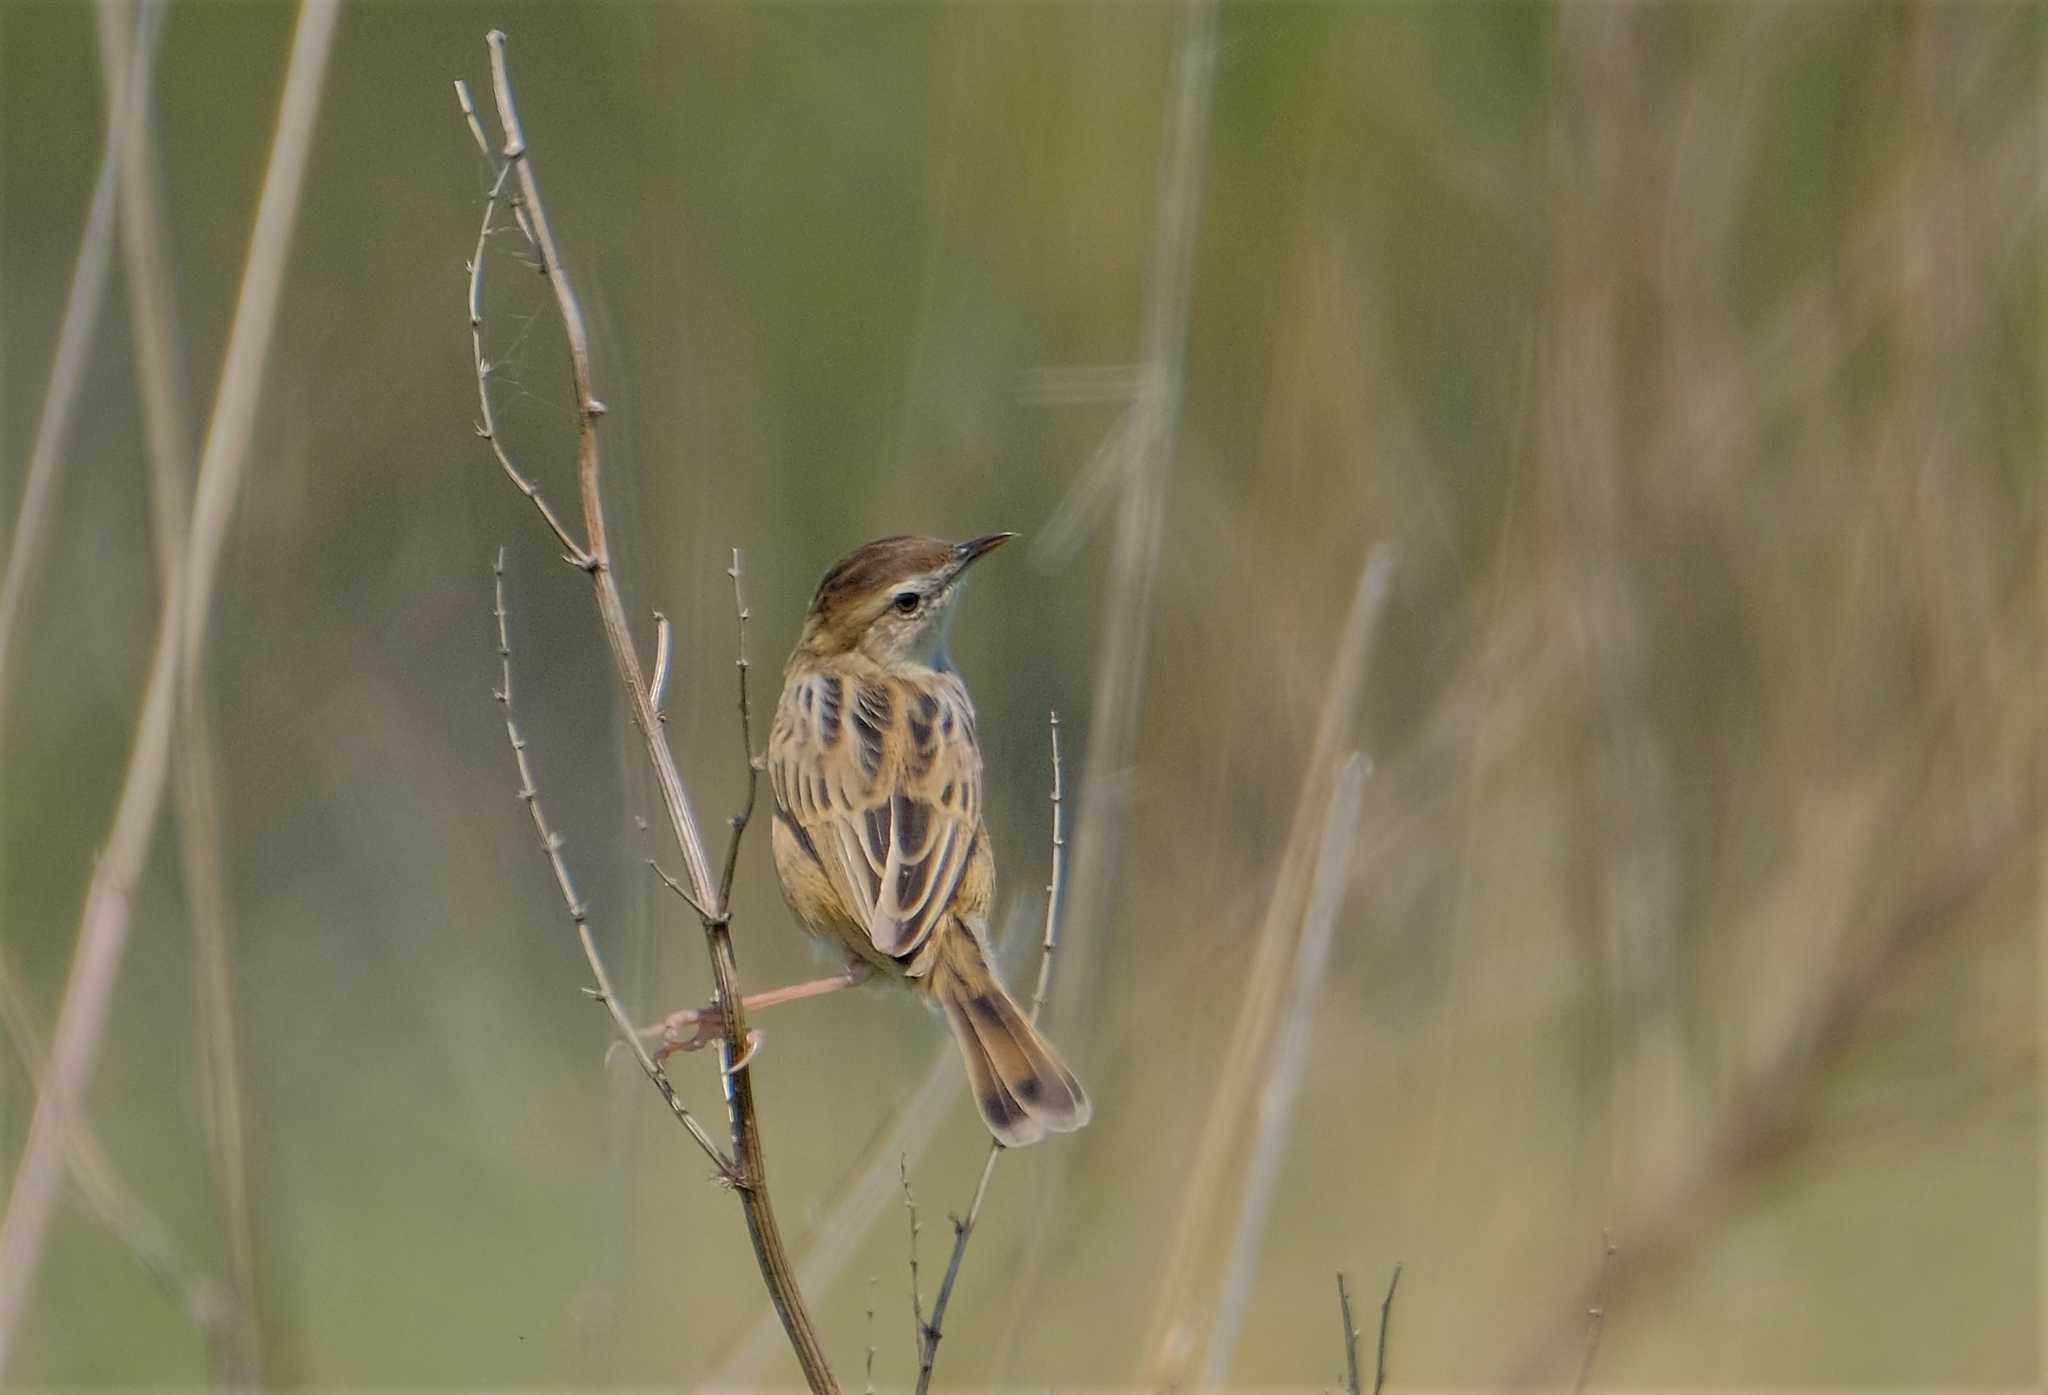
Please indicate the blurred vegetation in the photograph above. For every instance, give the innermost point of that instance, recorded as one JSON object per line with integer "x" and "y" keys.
{"x": 1690, "y": 355}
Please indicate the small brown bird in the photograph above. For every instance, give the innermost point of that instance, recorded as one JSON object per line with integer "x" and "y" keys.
{"x": 878, "y": 828}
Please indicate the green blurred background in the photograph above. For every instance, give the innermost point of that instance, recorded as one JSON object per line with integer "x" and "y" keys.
{"x": 1690, "y": 357}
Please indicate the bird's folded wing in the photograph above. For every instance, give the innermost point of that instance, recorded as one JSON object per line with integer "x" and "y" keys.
{"x": 890, "y": 797}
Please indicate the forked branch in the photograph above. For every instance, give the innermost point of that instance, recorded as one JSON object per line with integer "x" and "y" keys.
{"x": 512, "y": 168}
{"x": 579, "y": 913}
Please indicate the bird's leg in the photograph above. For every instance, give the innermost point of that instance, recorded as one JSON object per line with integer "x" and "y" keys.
{"x": 692, "y": 1029}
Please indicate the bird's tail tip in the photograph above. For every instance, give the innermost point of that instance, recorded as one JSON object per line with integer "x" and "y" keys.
{"x": 1022, "y": 1087}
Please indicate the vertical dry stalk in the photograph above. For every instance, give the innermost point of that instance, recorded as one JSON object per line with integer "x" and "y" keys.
{"x": 593, "y": 556}
{"x": 110, "y": 1200}
{"x": 75, "y": 333}
{"x": 918, "y": 1328}
{"x": 1142, "y": 447}
{"x": 1351, "y": 1381}
{"x": 1172, "y": 1345}
{"x": 1379, "y": 1368}
{"x": 152, "y": 315}
{"x": 1145, "y": 448}
{"x": 1287, "y": 1061}
{"x": 181, "y": 632}
{"x": 869, "y": 1385}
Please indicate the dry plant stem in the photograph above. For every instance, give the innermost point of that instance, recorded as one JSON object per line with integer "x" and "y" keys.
{"x": 750, "y": 1172}
{"x": 739, "y": 821}
{"x": 110, "y": 1200}
{"x": 75, "y": 333}
{"x": 664, "y": 652}
{"x": 1379, "y": 1368}
{"x": 1288, "y": 1061}
{"x": 916, "y": 1295}
{"x": 551, "y": 847}
{"x": 869, "y": 1385}
{"x": 153, "y": 318}
{"x": 1147, "y": 454}
{"x": 1144, "y": 446}
{"x": 1171, "y": 1342}
{"x": 963, "y": 1226}
{"x": 1351, "y": 1381}
{"x": 181, "y": 632}
{"x": 487, "y": 428}
{"x": 1596, "y": 1316}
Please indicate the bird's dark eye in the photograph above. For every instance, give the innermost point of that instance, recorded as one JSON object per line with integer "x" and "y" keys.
{"x": 907, "y": 602}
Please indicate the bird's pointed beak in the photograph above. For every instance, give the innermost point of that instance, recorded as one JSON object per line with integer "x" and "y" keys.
{"x": 964, "y": 554}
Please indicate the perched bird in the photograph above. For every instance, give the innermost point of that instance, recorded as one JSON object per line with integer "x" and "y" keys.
{"x": 878, "y": 830}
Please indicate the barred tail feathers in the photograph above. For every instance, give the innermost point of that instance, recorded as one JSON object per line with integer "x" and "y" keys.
{"x": 1023, "y": 1089}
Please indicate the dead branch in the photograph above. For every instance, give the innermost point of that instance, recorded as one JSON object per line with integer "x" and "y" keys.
{"x": 593, "y": 556}
{"x": 182, "y": 626}
{"x": 579, "y": 913}
{"x": 1379, "y": 1370}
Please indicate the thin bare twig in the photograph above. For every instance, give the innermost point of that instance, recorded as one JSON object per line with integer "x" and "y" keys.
{"x": 963, "y": 1226}
{"x": 1379, "y": 1366}
{"x": 1596, "y": 1316}
{"x": 487, "y": 428}
{"x": 869, "y": 1385}
{"x": 1051, "y": 943}
{"x": 749, "y": 1165}
{"x": 1351, "y": 1381}
{"x": 664, "y": 645}
{"x": 678, "y": 888}
{"x": 483, "y": 144}
{"x": 739, "y": 820}
{"x": 181, "y": 634}
{"x": 579, "y": 913}
{"x": 963, "y": 1229}
{"x": 916, "y": 1294}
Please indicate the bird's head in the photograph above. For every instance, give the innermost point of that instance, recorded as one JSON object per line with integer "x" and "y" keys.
{"x": 892, "y": 599}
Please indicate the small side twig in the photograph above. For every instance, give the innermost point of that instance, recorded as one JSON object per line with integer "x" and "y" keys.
{"x": 749, "y": 1173}
{"x": 1379, "y": 1370}
{"x": 664, "y": 644}
{"x": 487, "y": 428}
{"x": 1596, "y": 1316}
{"x": 1050, "y": 943}
{"x": 963, "y": 1226}
{"x": 679, "y": 889}
{"x": 739, "y": 820}
{"x": 1351, "y": 1380}
{"x": 916, "y": 1297}
{"x": 551, "y": 847}
{"x": 869, "y": 1385}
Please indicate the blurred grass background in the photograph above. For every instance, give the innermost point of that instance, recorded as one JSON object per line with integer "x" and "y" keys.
{"x": 1690, "y": 356}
